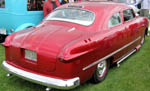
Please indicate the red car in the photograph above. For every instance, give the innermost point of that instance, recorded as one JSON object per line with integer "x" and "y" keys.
{"x": 75, "y": 43}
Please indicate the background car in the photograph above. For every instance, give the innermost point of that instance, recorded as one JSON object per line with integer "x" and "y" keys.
{"x": 19, "y": 14}
{"x": 75, "y": 43}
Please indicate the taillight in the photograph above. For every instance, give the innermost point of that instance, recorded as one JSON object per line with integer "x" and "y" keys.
{"x": 61, "y": 59}
{"x": 68, "y": 61}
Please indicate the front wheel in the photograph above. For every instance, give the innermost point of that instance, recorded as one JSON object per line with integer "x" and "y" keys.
{"x": 100, "y": 71}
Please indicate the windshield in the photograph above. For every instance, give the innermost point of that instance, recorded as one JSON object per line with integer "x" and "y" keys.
{"x": 78, "y": 16}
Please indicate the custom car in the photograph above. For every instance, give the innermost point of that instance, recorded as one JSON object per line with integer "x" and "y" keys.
{"x": 75, "y": 43}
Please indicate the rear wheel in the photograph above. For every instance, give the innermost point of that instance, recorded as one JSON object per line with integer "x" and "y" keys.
{"x": 100, "y": 71}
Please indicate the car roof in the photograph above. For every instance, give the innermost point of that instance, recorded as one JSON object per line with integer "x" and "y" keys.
{"x": 103, "y": 10}
{"x": 96, "y": 6}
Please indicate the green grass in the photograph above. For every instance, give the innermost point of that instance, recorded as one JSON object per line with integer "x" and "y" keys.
{"x": 133, "y": 75}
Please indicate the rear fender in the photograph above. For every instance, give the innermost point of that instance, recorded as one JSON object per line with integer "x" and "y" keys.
{"x": 81, "y": 47}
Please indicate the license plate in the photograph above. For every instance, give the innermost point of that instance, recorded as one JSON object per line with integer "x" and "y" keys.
{"x": 3, "y": 31}
{"x": 30, "y": 55}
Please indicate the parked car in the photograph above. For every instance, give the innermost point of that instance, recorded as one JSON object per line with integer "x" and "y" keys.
{"x": 16, "y": 15}
{"x": 75, "y": 43}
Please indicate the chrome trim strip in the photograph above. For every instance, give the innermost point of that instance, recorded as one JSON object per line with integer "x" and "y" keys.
{"x": 43, "y": 80}
{"x": 96, "y": 62}
{"x": 85, "y": 23}
{"x": 126, "y": 56}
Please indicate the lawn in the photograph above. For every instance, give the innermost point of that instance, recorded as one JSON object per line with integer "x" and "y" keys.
{"x": 132, "y": 75}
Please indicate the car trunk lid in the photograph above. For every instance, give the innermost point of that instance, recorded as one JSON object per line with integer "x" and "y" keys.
{"x": 46, "y": 42}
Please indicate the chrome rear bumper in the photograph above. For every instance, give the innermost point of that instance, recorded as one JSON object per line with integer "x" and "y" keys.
{"x": 43, "y": 80}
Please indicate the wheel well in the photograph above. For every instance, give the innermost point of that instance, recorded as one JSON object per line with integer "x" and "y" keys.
{"x": 23, "y": 26}
{"x": 29, "y": 26}
{"x": 146, "y": 31}
{"x": 110, "y": 59}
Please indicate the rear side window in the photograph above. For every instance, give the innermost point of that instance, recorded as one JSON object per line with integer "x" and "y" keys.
{"x": 128, "y": 14}
{"x": 2, "y": 3}
{"x": 114, "y": 20}
{"x": 35, "y": 5}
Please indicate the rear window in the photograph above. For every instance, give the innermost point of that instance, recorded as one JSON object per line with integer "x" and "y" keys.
{"x": 79, "y": 16}
{"x": 35, "y": 5}
{"x": 2, "y": 3}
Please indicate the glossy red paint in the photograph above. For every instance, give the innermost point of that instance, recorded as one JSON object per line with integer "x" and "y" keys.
{"x": 64, "y": 55}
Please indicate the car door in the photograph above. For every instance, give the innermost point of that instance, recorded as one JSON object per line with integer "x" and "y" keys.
{"x": 131, "y": 28}
{"x": 117, "y": 38}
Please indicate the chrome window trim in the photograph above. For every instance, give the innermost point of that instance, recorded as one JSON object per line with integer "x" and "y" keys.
{"x": 86, "y": 23}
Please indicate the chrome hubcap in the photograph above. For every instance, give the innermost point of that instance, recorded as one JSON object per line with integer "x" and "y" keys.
{"x": 101, "y": 67}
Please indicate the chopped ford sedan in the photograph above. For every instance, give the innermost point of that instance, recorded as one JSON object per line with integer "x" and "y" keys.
{"x": 75, "y": 43}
